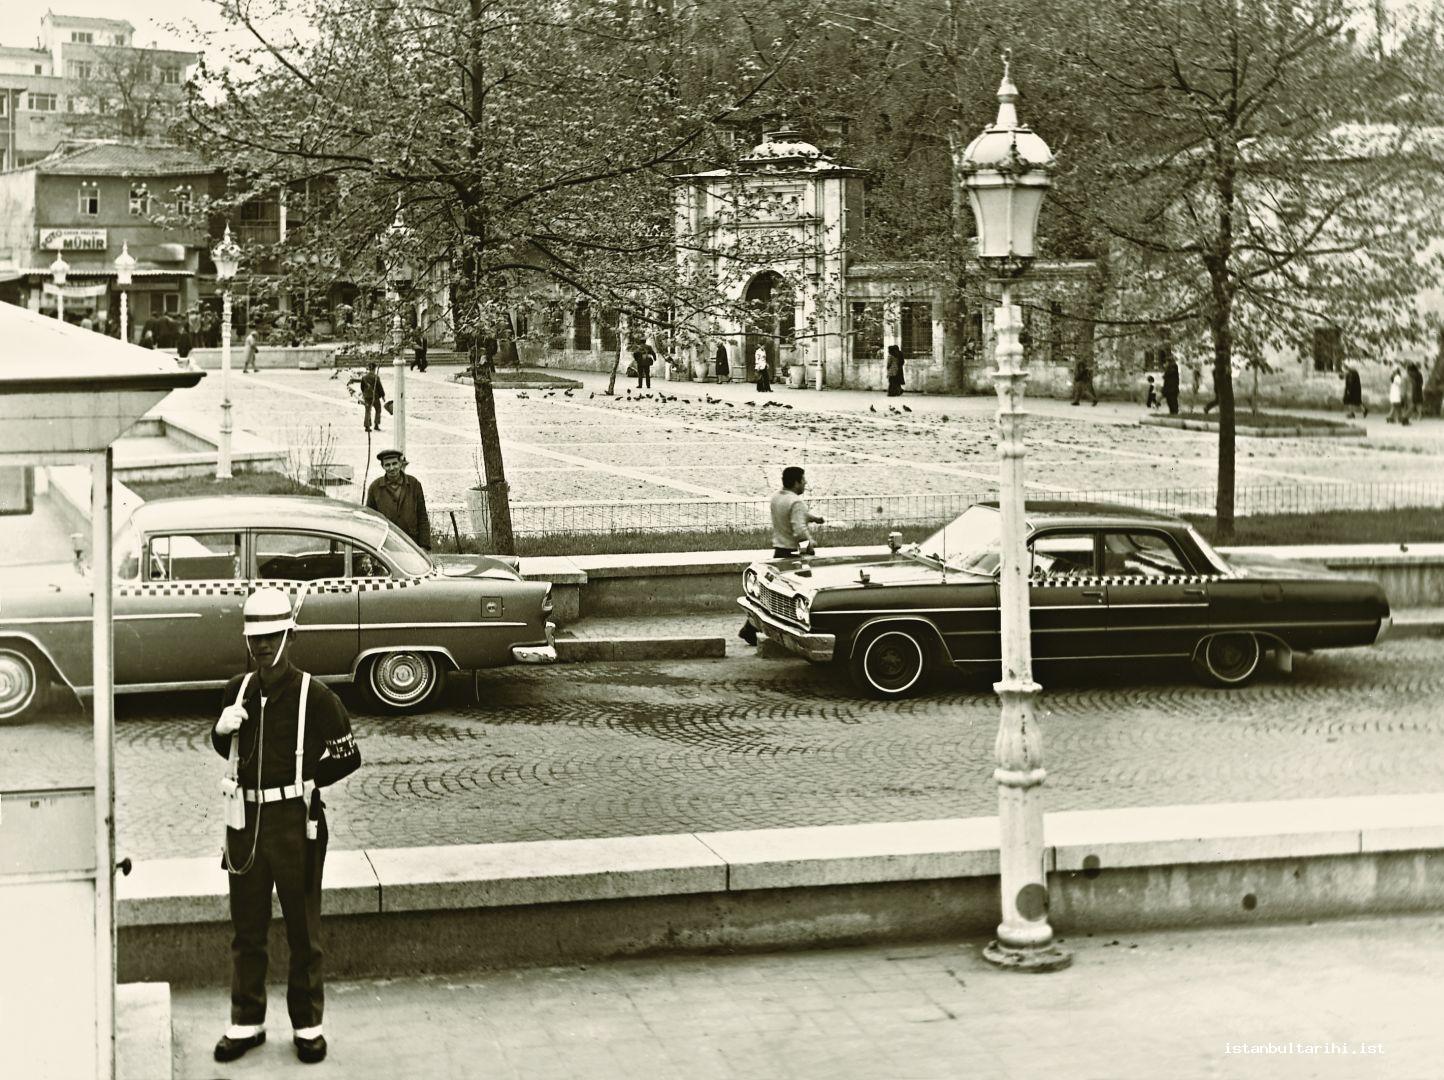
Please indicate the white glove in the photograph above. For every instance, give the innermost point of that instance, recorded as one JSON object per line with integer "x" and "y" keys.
{"x": 230, "y": 721}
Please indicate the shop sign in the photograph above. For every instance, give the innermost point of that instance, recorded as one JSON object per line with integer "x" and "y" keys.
{"x": 74, "y": 292}
{"x": 72, "y": 239}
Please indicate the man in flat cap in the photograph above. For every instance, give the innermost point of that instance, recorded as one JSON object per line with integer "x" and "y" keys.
{"x": 399, "y": 498}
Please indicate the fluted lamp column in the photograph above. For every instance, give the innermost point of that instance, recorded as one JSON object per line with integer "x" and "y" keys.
{"x": 227, "y": 257}
{"x": 1006, "y": 170}
{"x": 398, "y": 273}
{"x": 124, "y": 269}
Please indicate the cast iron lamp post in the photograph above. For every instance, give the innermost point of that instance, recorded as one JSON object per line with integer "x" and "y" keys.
{"x": 1006, "y": 171}
{"x": 398, "y": 234}
{"x": 124, "y": 268}
{"x": 59, "y": 269}
{"x": 227, "y": 257}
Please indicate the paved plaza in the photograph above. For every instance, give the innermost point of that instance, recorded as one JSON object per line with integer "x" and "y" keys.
{"x": 1328, "y": 1000}
{"x": 589, "y": 448}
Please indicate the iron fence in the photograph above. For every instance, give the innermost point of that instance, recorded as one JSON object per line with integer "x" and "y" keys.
{"x": 887, "y": 511}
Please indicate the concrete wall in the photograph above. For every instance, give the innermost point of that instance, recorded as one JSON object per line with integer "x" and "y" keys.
{"x": 267, "y": 356}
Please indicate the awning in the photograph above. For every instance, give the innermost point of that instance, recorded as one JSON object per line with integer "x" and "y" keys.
{"x": 96, "y": 272}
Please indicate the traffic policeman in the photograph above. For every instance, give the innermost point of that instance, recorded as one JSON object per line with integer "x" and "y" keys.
{"x": 284, "y": 736}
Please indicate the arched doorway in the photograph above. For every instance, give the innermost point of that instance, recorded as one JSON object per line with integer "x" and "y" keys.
{"x": 771, "y": 321}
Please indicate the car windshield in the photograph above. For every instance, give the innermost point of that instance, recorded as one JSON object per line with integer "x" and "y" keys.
{"x": 970, "y": 542}
{"x": 403, "y": 553}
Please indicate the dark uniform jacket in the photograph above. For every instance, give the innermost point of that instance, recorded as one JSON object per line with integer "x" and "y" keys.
{"x": 403, "y": 505}
{"x": 330, "y": 752}
{"x": 371, "y": 388}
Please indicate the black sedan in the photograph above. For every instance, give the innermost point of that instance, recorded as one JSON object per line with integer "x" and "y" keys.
{"x": 1107, "y": 583}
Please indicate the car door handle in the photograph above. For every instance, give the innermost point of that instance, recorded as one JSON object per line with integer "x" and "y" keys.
{"x": 1096, "y": 593}
{"x": 1195, "y": 592}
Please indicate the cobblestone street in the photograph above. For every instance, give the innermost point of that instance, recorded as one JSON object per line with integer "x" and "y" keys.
{"x": 747, "y": 743}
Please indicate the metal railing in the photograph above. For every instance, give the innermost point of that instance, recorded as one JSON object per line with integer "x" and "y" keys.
{"x": 887, "y": 511}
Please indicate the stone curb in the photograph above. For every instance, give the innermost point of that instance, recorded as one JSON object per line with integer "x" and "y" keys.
{"x": 577, "y": 650}
{"x": 182, "y": 891}
{"x": 1305, "y": 431}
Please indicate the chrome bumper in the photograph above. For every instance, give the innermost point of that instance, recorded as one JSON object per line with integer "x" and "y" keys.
{"x": 538, "y": 654}
{"x": 812, "y": 646}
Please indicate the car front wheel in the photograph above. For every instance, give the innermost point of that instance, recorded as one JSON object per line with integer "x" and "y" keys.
{"x": 403, "y": 681}
{"x": 1228, "y": 659}
{"x": 890, "y": 663}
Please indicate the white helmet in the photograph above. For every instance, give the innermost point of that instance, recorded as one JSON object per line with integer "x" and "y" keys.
{"x": 267, "y": 611}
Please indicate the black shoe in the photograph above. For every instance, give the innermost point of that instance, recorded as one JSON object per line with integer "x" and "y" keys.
{"x": 310, "y": 1051}
{"x": 229, "y": 1049}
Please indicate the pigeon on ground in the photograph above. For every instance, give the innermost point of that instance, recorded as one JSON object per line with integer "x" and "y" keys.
{"x": 906, "y": 409}
{"x": 566, "y": 393}
{"x": 786, "y": 406}
{"x": 522, "y": 394}
{"x": 750, "y": 404}
{"x": 893, "y": 411}
{"x": 591, "y": 395}
{"x": 872, "y": 408}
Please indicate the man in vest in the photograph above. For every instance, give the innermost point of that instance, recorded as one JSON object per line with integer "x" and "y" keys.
{"x": 285, "y": 737}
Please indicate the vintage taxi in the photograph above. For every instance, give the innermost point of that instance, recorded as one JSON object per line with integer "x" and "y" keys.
{"x": 1107, "y": 583}
{"x": 372, "y": 607}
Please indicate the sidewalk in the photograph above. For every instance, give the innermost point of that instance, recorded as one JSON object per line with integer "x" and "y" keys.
{"x": 1334, "y": 999}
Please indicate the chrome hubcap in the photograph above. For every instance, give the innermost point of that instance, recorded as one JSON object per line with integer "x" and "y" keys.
{"x": 17, "y": 683}
{"x": 894, "y": 661}
{"x": 402, "y": 678}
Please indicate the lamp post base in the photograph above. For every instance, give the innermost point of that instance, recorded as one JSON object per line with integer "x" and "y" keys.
{"x": 1033, "y": 961}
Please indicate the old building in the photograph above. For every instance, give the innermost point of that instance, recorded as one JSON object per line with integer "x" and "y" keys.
{"x": 87, "y": 200}
{"x": 85, "y": 77}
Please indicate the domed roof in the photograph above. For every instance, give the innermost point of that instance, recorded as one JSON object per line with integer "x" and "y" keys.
{"x": 784, "y": 146}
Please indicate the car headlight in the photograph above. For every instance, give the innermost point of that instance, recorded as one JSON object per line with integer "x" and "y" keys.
{"x": 751, "y": 585}
{"x": 800, "y": 605}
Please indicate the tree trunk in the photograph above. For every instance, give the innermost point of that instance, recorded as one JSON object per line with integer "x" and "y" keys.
{"x": 616, "y": 364}
{"x": 498, "y": 492}
{"x": 1222, "y": 331}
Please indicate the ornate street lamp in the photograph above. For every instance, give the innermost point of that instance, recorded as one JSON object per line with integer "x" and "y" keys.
{"x": 124, "y": 268}
{"x": 1006, "y": 171}
{"x": 58, "y": 271}
{"x": 227, "y": 257}
{"x": 398, "y": 272}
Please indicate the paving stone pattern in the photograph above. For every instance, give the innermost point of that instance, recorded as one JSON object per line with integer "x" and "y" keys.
{"x": 589, "y": 447}
{"x": 748, "y": 742}
{"x": 1136, "y": 1007}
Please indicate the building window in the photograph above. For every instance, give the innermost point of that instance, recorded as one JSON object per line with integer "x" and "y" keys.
{"x": 79, "y": 69}
{"x": 89, "y": 198}
{"x": 609, "y": 329}
{"x": 82, "y": 37}
{"x": 582, "y": 325}
{"x": 1328, "y": 348}
{"x": 866, "y": 331}
{"x": 139, "y": 200}
{"x": 183, "y": 198}
{"x": 170, "y": 303}
{"x": 5, "y": 104}
{"x": 917, "y": 329}
{"x": 40, "y": 69}
{"x": 170, "y": 76}
{"x": 41, "y": 102}
{"x": 120, "y": 40}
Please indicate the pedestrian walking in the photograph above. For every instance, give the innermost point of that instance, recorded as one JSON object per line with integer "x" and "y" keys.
{"x": 895, "y": 376}
{"x": 399, "y": 498}
{"x": 183, "y": 342}
{"x": 1399, "y": 397}
{"x": 760, "y": 371}
{"x": 724, "y": 367}
{"x": 250, "y": 360}
{"x": 1416, "y": 389}
{"x": 1170, "y": 385}
{"x": 650, "y": 352}
{"x": 372, "y": 393}
{"x": 1150, "y": 399}
{"x": 418, "y": 351}
{"x": 643, "y": 363}
{"x": 1353, "y": 390}
{"x": 1083, "y": 380}
{"x": 791, "y": 532}
{"x": 285, "y": 737}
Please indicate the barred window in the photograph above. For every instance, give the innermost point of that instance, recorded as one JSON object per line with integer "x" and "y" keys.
{"x": 139, "y": 200}
{"x": 89, "y": 198}
{"x": 582, "y": 325}
{"x": 866, "y": 331}
{"x": 609, "y": 329}
{"x": 917, "y": 329}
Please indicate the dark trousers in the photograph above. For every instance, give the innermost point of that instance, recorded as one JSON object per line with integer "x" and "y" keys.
{"x": 1171, "y": 400}
{"x": 1081, "y": 387}
{"x": 644, "y": 377}
{"x": 764, "y": 382}
{"x": 367, "y": 408}
{"x": 291, "y": 864}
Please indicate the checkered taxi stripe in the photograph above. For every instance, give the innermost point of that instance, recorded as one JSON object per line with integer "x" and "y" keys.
{"x": 245, "y": 588}
{"x": 1069, "y": 582}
